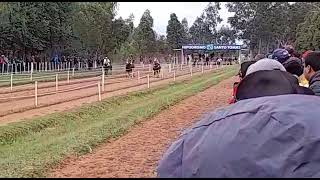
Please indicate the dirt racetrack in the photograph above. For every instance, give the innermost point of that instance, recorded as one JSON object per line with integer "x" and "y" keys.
{"x": 13, "y": 110}
{"x": 137, "y": 153}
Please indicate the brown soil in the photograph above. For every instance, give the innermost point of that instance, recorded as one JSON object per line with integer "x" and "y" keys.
{"x": 12, "y": 111}
{"x": 137, "y": 153}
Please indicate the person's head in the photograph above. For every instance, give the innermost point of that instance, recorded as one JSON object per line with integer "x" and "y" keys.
{"x": 244, "y": 67}
{"x": 265, "y": 64}
{"x": 280, "y": 55}
{"x": 290, "y": 49}
{"x": 294, "y": 66}
{"x": 311, "y": 64}
{"x": 258, "y": 57}
{"x": 305, "y": 54}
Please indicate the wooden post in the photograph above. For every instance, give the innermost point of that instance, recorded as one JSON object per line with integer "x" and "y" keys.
{"x": 103, "y": 79}
{"x": 148, "y": 79}
{"x": 72, "y": 71}
{"x": 24, "y": 67}
{"x": 149, "y": 67}
{"x": 57, "y": 82}
{"x": 36, "y": 93}
{"x": 174, "y": 75}
{"x": 162, "y": 75}
{"x": 68, "y": 78}
{"x": 138, "y": 76}
{"x": 191, "y": 71}
{"x": 202, "y": 68}
{"x": 99, "y": 91}
{"x": 31, "y": 76}
{"x": 2, "y": 69}
{"x": 11, "y": 76}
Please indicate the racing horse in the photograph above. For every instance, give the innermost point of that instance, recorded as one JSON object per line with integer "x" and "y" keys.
{"x": 156, "y": 68}
{"x": 129, "y": 67}
{"x": 107, "y": 66}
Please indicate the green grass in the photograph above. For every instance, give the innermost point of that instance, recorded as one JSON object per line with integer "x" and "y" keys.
{"x": 31, "y": 148}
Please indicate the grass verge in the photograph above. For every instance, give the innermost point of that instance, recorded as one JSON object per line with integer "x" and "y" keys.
{"x": 31, "y": 148}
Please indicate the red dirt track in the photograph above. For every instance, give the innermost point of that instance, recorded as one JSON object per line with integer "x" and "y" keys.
{"x": 13, "y": 110}
{"x": 136, "y": 154}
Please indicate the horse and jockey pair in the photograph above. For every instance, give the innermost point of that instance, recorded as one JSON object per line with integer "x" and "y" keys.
{"x": 107, "y": 65}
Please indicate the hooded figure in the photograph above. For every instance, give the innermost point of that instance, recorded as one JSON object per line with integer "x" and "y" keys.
{"x": 266, "y": 137}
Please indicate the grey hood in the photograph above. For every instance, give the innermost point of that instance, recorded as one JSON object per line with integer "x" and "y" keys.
{"x": 275, "y": 136}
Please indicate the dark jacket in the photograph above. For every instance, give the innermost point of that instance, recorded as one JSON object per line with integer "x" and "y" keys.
{"x": 276, "y": 136}
{"x": 314, "y": 83}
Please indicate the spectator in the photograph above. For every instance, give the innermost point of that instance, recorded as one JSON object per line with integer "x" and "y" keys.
{"x": 280, "y": 55}
{"x": 265, "y": 64}
{"x": 294, "y": 66}
{"x": 259, "y": 56}
{"x": 266, "y": 137}
{"x": 312, "y": 71}
{"x": 242, "y": 72}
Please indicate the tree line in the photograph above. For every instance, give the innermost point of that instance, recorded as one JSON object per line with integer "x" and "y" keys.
{"x": 90, "y": 30}
{"x": 264, "y": 26}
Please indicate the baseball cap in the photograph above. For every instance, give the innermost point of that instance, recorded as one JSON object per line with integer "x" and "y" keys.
{"x": 265, "y": 64}
{"x": 280, "y": 55}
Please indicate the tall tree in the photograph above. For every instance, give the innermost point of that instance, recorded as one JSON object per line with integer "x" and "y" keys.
{"x": 144, "y": 36}
{"x": 175, "y": 32}
{"x": 203, "y": 29}
{"x": 225, "y": 35}
{"x": 185, "y": 26}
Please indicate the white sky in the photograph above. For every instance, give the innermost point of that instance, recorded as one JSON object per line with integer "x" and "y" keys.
{"x": 160, "y": 11}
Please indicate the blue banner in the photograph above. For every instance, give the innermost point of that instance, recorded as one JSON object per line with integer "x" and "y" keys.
{"x": 210, "y": 47}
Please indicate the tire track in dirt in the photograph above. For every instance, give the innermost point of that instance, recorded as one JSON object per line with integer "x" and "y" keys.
{"x": 137, "y": 153}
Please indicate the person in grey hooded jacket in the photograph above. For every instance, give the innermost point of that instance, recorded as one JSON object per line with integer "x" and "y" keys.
{"x": 269, "y": 136}
{"x": 312, "y": 71}
{"x": 268, "y": 132}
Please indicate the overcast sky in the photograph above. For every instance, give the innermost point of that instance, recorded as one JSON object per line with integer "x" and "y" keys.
{"x": 160, "y": 11}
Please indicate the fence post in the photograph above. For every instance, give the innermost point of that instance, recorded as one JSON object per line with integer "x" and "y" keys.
{"x": 149, "y": 67}
{"x": 103, "y": 80}
{"x": 31, "y": 76}
{"x": 11, "y": 76}
{"x": 162, "y": 74}
{"x": 99, "y": 91}
{"x": 138, "y": 76}
{"x": 148, "y": 79}
{"x": 36, "y": 93}
{"x": 72, "y": 71}
{"x": 190, "y": 70}
{"x": 174, "y": 75}
{"x": 68, "y": 78}
{"x": 57, "y": 82}
{"x": 202, "y": 68}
